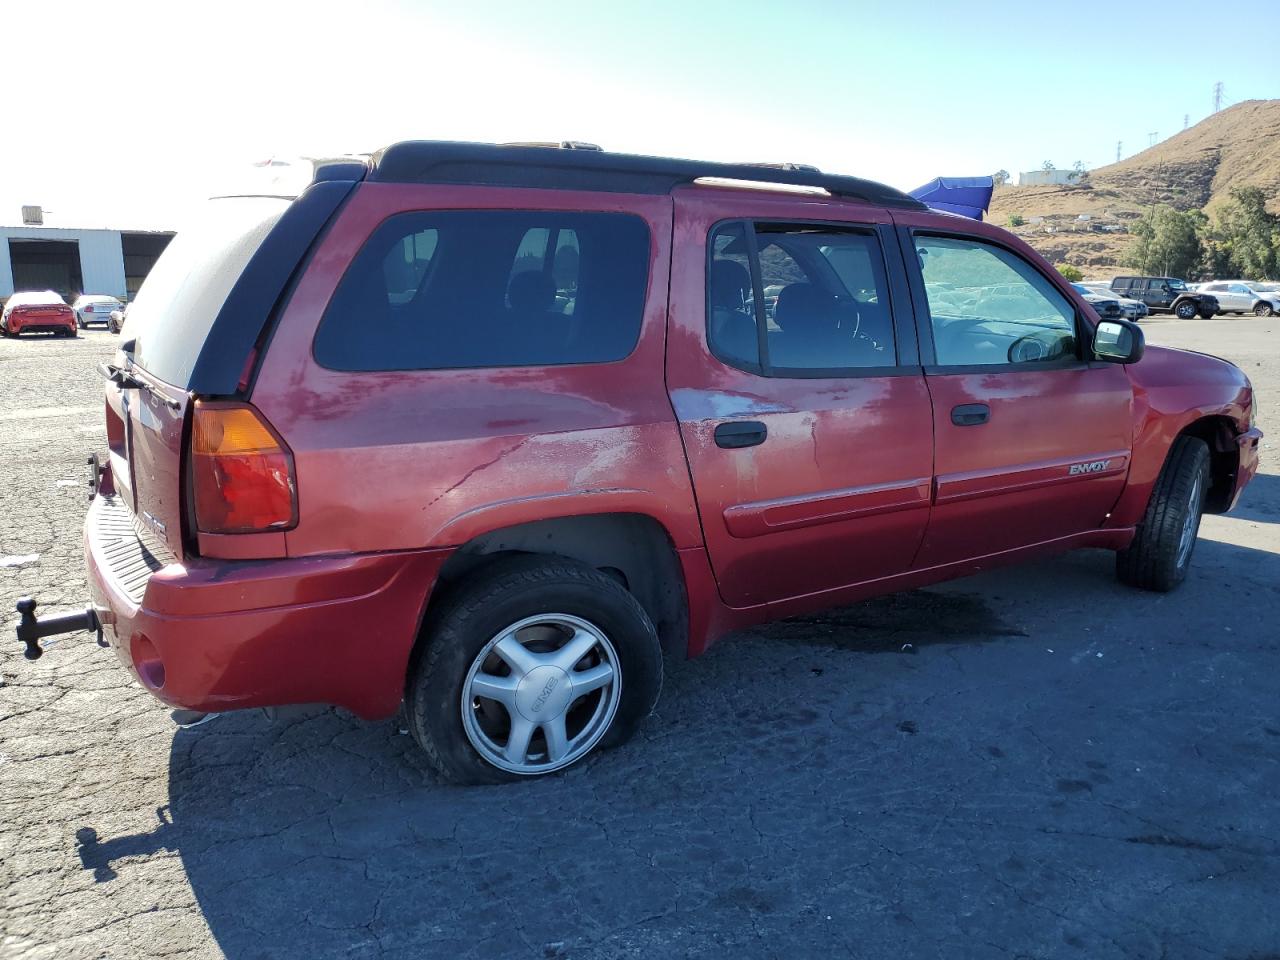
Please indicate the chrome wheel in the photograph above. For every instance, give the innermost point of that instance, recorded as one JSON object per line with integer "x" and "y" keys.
{"x": 541, "y": 693}
{"x": 1190, "y": 523}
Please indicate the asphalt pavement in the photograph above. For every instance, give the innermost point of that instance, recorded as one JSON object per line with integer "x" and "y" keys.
{"x": 1034, "y": 762}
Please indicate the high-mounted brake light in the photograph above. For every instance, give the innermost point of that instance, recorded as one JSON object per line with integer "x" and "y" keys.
{"x": 241, "y": 471}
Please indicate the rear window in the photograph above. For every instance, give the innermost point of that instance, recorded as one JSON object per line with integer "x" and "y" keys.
{"x": 183, "y": 293}
{"x": 478, "y": 288}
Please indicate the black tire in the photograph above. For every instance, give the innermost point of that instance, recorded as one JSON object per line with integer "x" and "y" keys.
{"x": 1157, "y": 558}
{"x": 1185, "y": 310}
{"x": 1263, "y": 310}
{"x": 1206, "y": 314}
{"x": 497, "y": 596}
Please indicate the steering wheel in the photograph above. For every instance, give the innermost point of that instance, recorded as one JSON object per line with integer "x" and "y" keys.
{"x": 1028, "y": 349}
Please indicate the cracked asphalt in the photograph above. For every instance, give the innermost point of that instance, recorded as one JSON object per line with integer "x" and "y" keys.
{"x": 1035, "y": 762}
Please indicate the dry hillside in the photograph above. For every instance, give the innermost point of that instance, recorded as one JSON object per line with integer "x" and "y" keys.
{"x": 1239, "y": 146}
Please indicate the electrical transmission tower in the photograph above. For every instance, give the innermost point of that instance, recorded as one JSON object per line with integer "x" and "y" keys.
{"x": 1151, "y": 138}
{"x": 1217, "y": 96}
{"x": 1119, "y": 144}
{"x": 1186, "y": 120}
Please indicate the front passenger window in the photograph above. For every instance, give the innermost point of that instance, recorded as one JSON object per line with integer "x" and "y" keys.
{"x": 989, "y": 307}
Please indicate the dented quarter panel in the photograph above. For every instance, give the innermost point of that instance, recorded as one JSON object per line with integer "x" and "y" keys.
{"x": 416, "y": 459}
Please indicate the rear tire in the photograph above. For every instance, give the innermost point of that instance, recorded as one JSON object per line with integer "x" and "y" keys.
{"x": 1185, "y": 311}
{"x": 1160, "y": 554}
{"x": 545, "y": 605}
{"x": 1263, "y": 310}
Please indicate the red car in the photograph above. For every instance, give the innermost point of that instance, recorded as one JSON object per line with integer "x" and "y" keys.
{"x": 481, "y": 430}
{"x": 37, "y": 312}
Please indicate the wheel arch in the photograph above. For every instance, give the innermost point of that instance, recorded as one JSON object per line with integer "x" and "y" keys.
{"x": 1218, "y": 433}
{"x": 632, "y": 547}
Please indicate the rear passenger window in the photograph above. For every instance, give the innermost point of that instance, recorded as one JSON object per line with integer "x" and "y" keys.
{"x": 489, "y": 289}
{"x": 824, "y": 309}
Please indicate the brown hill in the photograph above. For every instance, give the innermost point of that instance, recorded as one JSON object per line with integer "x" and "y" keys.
{"x": 1239, "y": 146}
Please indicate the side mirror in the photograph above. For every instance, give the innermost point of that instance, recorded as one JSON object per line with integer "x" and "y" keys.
{"x": 1118, "y": 341}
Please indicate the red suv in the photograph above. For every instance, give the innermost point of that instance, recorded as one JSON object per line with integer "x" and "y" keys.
{"x": 482, "y": 430}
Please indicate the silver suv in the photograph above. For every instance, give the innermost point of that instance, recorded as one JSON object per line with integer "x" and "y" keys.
{"x": 1240, "y": 296}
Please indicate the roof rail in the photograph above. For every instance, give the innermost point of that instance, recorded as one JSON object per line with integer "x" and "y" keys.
{"x": 570, "y": 166}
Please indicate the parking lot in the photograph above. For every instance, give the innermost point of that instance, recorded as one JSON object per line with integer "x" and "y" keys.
{"x": 1035, "y": 762}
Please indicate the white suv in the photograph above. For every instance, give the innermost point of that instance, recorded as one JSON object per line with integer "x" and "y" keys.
{"x": 1238, "y": 296}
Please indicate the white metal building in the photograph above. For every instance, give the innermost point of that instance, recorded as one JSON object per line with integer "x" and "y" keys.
{"x": 74, "y": 261}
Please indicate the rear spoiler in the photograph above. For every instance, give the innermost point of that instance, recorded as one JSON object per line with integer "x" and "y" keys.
{"x": 967, "y": 196}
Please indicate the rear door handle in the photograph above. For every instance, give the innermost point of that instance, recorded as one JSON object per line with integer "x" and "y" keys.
{"x": 970, "y": 414}
{"x": 740, "y": 433}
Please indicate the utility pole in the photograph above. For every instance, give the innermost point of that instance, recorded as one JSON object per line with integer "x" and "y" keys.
{"x": 1217, "y": 96}
{"x": 1151, "y": 138}
{"x": 1119, "y": 144}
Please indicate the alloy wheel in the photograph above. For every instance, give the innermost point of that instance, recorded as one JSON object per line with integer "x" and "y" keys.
{"x": 541, "y": 693}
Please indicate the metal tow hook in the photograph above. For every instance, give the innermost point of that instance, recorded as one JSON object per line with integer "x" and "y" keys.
{"x": 30, "y": 630}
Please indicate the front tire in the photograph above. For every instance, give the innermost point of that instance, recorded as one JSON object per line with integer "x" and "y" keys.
{"x": 1160, "y": 554}
{"x": 1263, "y": 310}
{"x": 1185, "y": 311}
{"x": 529, "y": 667}
{"x": 1206, "y": 314}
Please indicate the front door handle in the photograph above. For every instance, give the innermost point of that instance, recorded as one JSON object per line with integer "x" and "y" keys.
{"x": 740, "y": 433}
{"x": 970, "y": 414}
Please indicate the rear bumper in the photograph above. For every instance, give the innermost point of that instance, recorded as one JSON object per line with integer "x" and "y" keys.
{"x": 41, "y": 327}
{"x": 223, "y": 635}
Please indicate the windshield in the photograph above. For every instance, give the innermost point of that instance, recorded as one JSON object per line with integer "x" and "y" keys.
{"x": 181, "y": 298}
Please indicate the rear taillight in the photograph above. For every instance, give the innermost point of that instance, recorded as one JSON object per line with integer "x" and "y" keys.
{"x": 241, "y": 471}
{"x": 89, "y": 308}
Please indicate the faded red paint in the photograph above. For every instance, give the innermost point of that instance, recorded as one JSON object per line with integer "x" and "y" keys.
{"x": 864, "y": 485}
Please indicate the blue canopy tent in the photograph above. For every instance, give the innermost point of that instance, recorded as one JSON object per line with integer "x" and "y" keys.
{"x": 967, "y": 196}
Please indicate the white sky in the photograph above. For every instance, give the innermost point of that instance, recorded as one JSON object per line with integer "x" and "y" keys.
{"x": 199, "y": 91}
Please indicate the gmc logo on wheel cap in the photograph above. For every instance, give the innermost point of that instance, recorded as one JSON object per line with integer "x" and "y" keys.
{"x": 1093, "y": 466}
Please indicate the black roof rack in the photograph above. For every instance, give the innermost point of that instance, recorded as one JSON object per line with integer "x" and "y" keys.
{"x": 558, "y": 167}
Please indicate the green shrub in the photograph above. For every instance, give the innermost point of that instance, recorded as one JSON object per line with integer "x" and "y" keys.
{"x": 1071, "y": 273}
{"x": 1015, "y": 220}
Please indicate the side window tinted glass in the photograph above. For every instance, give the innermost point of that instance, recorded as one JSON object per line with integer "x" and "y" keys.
{"x": 731, "y": 322}
{"x": 988, "y": 306}
{"x": 489, "y": 289}
{"x": 825, "y": 306}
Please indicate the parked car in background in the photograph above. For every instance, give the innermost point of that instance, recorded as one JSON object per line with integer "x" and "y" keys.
{"x": 1133, "y": 309}
{"x": 1167, "y": 295}
{"x": 1107, "y": 307}
{"x": 115, "y": 320}
{"x": 94, "y": 308}
{"x": 40, "y": 311}
{"x": 277, "y": 521}
{"x": 1240, "y": 297}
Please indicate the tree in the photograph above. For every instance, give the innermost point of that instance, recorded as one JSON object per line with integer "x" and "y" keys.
{"x": 1070, "y": 273}
{"x": 1000, "y": 177}
{"x": 1167, "y": 242}
{"x": 1048, "y": 166}
{"x": 1078, "y": 172}
{"x": 1249, "y": 236}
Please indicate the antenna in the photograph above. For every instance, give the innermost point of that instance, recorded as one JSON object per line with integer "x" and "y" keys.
{"x": 1217, "y": 96}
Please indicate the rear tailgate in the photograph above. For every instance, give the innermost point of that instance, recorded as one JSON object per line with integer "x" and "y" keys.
{"x": 163, "y": 339}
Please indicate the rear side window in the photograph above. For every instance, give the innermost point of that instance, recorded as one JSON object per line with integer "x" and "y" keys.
{"x": 481, "y": 288}
{"x": 824, "y": 310}
{"x": 184, "y": 292}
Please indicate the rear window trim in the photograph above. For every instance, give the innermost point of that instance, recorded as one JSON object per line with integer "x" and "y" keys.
{"x": 427, "y": 371}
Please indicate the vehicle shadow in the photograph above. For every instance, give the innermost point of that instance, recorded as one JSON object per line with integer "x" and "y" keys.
{"x": 1260, "y": 501}
{"x": 794, "y": 786}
